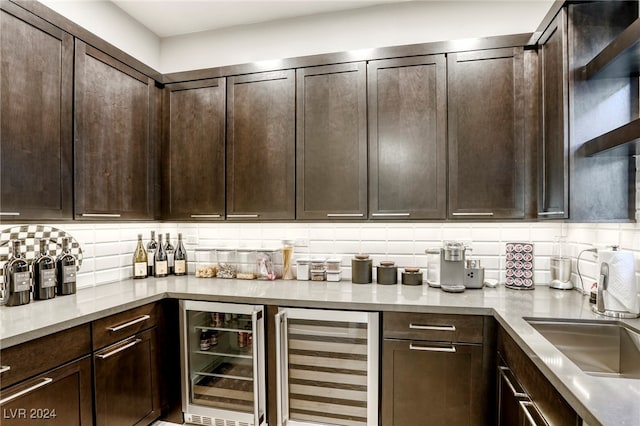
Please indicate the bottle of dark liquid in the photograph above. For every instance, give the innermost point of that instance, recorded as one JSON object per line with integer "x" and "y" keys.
{"x": 140, "y": 260}
{"x": 17, "y": 279}
{"x": 152, "y": 246}
{"x": 161, "y": 265}
{"x": 66, "y": 265}
{"x": 168, "y": 248}
{"x": 44, "y": 273}
{"x": 180, "y": 258}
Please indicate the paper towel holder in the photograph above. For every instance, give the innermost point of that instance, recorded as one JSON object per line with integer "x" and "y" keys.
{"x": 600, "y": 308}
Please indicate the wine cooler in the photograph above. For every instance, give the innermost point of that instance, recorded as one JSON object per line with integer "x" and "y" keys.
{"x": 327, "y": 364}
{"x": 223, "y": 363}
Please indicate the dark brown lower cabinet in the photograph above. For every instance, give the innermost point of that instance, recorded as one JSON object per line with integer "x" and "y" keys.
{"x": 126, "y": 381}
{"x": 436, "y": 369}
{"x": 431, "y": 384}
{"x": 525, "y": 396}
{"x": 61, "y": 396}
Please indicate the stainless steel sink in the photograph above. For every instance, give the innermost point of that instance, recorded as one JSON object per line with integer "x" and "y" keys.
{"x": 599, "y": 348}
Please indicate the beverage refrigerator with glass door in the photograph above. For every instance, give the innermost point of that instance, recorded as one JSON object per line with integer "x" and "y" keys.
{"x": 223, "y": 363}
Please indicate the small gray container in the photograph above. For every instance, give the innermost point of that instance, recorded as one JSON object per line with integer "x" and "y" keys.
{"x": 412, "y": 276}
{"x": 361, "y": 269}
{"x": 387, "y": 273}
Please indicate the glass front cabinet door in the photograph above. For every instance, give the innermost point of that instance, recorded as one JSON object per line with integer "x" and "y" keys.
{"x": 327, "y": 367}
{"x": 223, "y": 363}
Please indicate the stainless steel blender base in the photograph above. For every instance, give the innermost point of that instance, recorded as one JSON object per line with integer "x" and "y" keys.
{"x": 561, "y": 285}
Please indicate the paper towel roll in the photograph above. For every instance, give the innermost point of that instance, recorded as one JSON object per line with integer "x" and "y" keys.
{"x": 621, "y": 292}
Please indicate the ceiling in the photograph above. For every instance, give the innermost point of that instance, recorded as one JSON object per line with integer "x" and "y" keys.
{"x": 167, "y": 18}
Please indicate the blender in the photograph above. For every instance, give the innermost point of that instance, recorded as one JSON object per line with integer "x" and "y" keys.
{"x": 561, "y": 265}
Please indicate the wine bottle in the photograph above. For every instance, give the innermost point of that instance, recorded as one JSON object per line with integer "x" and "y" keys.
{"x": 180, "y": 258}
{"x": 66, "y": 265}
{"x": 140, "y": 260}
{"x": 168, "y": 248}
{"x": 44, "y": 273}
{"x": 161, "y": 265}
{"x": 17, "y": 278}
{"x": 152, "y": 246}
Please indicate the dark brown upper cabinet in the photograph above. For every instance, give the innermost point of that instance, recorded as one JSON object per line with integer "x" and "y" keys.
{"x": 408, "y": 138}
{"x": 261, "y": 146}
{"x": 553, "y": 155}
{"x": 115, "y": 126}
{"x": 36, "y": 118}
{"x": 487, "y": 134}
{"x": 331, "y": 130}
{"x": 193, "y": 161}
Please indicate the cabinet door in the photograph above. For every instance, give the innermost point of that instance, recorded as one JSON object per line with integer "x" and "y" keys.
{"x": 36, "y": 118}
{"x": 126, "y": 381}
{"x": 114, "y": 134}
{"x": 553, "y": 166}
{"x": 331, "y": 131}
{"x": 327, "y": 367}
{"x": 407, "y": 138}
{"x": 223, "y": 359}
{"x": 486, "y": 134}
{"x": 425, "y": 383}
{"x": 510, "y": 394}
{"x": 261, "y": 146}
{"x": 57, "y": 397}
{"x": 193, "y": 151}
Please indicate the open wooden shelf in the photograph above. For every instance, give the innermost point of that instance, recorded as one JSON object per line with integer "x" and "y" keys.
{"x": 623, "y": 141}
{"x": 621, "y": 57}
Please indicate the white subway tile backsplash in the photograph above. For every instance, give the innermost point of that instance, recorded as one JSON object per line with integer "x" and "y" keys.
{"x": 107, "y": 247}
{"x": 107, "y": 235}
{"x": 518, "y": 234}
{"x": 401, "y": 234}
{"x": 107, "y": 262}
{"x": 428, "y": 233}
{"x": 458, "y": 232}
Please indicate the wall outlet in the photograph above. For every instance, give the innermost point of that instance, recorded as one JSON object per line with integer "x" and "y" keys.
{"x": 192, "y": 239}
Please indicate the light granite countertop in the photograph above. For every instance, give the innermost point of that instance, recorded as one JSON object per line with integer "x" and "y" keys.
{"x": 598, "y": 400}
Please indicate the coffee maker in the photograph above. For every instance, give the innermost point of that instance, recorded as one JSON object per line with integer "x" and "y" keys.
{"x": 452, "y": 256}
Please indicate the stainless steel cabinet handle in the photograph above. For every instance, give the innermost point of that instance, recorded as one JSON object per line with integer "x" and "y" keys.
{"x": 4, "y": 368}
{"x": 472, "y": 214}
{"x": 549, "y": 213}
{"x": 9, "y": 213}
{"x": 525, "y": 406}
{"x": 345, "y": 214}
{"x": 237, "y": 216}
{"x": 517, "y": 394}
{"x": 205, "y": 216}
{"x": 45, "y": 381}
{"x": 390, "y": 214}
{"x": 120, "y": 349}
{"x": 101, "y": 215}
{"x": 128, "y": 324}
{"x": 432, "y": 327}
{"x": 450, "y": 349}
{"x": 281, "y": 336}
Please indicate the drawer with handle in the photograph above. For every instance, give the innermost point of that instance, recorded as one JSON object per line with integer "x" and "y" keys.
{"x": 434, "y": 327}
{"x": 26, "y": 359}
{"x": 109, "y": 330}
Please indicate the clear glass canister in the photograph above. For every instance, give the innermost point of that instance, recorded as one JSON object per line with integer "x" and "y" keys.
{"x": 269, "y": 264}
{"x": 287, "y": 260}
{"x": 226, "y": 263}
{"x": 246, "y": 265}
{"x": 205, "y": 263}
